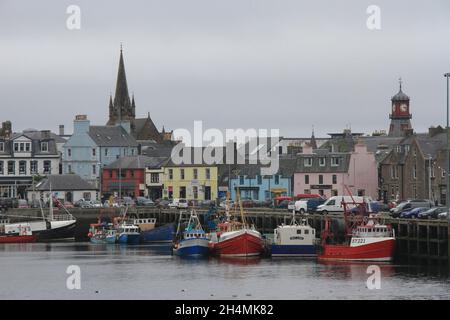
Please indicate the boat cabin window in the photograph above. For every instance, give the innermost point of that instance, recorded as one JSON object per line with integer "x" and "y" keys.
{"x": 299, "y": 231}
{"x": 306, "y": 231}
{"x": 312, "y": 231}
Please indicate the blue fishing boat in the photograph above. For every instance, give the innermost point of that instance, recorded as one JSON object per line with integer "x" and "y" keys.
{"x": 294, "y": 240}
{"x": 101, "y": 233}
{"x": 193, "y": 240}
{"x": 159, "y": 234}
{"x": 128, "y": 234}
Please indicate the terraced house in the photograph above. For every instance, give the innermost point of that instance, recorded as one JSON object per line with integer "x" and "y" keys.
{"x": 190, "y": 181}
{"x": 26, "y": 156}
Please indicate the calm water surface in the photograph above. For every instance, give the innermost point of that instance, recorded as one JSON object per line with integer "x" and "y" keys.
{"x": 38, "y": 271}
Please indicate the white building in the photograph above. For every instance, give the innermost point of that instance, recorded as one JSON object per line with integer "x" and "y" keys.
{"x": 24, "y": 156}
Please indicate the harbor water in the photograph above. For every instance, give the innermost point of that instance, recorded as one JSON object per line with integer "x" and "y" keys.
{"x": 40, "y": 271}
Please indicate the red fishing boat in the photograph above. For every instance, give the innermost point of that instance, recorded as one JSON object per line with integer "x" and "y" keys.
{"x": 367, "y": 239}
{"x": 17, "y": 234}
{"x": 236, "y": 239}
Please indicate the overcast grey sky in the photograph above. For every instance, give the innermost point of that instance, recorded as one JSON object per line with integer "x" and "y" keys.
{"x": 231, "y": 63}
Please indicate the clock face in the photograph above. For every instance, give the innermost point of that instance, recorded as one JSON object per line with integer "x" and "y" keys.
{"x": 403, "y": 107}
{"x": 393, "y": 107}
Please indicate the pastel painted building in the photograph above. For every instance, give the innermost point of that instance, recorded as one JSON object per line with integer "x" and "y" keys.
{"x": 328, "y": 173}
{"x": 252, "y": 185}
{"x": 90, "y": 148}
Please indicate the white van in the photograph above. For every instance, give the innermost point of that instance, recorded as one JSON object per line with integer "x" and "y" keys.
{"x": 334, "y": 204}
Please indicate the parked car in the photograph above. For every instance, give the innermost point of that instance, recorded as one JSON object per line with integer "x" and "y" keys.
{"x": 6, "y": 203}
{"x": 83, "y": 204}
{"x": 410, "y": 204}
{"x": 162, "y": 203}
{"x": 443, "y": 215}
{"x": 22, "y": 204}
{"x": 231, "y": 204}
{"x": 178, "y": 203}
{"x": 206, "y": 203}
{"x": 432, "y": 213}
{"x": 308, "y": 204}
{"x": 144, "y": 202}
{"x": 283, "y": 204}
{"x": 96, "y": 204}
{"x": 334, "y": 204}
{"x": 128, "y": 201}
{"x": 68, "y": 204}
{"x": 291, "y": 206}
{"x": 413, "y": 213}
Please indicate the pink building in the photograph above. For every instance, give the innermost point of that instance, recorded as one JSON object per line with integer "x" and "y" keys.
{"x": 322, "y": 172}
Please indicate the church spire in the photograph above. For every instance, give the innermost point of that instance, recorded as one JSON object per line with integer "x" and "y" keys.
{"x": 121, "y": 98}
{"x": 313, "y": 142}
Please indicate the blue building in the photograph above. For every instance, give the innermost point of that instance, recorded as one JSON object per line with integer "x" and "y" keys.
{"x": 92, "y": 147}
{"x": 253, "y": 185}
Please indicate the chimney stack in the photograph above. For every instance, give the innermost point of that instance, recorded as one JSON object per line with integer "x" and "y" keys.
{"x": 61, "y": 129}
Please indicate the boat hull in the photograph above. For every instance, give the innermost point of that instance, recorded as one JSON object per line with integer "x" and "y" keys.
{"x": 103, "y": 240}
{"x": 160, "y": 234}
{"x": 192, "y": 247}
{"x": 382, "y": 250}
{"x": 244, "y": 244}
{"x": 128, "y": 238}
{"x": 293, "y": 250}
{"x": 59, "y": 230}
{"x": 18, "y": 239}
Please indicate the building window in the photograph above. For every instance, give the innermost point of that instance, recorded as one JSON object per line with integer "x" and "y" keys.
{"x": 44, "y": 146}
{"x": 241, "y": 179}
{"x": 195, "y": 192}
{"x": 132, "y": 152}
{"x": 170, "y": 174}
{"x": 306, "y": 178}
{"x": 87, "y": 196}
{"x": 320, "y": 179}
{"x": 394, "y": 172}
{"x": 132, "y": 173}
{"x": 27, "y": 147}
{"x": 16, "y": 147}
{"x": 182, "y": 174}
{"x": 308, "y": 162}
{"x": 334, "y": 161}
{"x": 277, "y": 179}
{"x": 208, "y": 173}
{"x": 334, "y": 192}
{"x": 443, "y": 173}
{"x": 94, "y": 152}
{"x": 415, "y": 172}
{"x": 94, "y": 169}
{"x": 33, "y": 167}
{"x": 2, "y": 146}
{"x": 123, "y": 173}
{"x": 322, "y": 161}
{"x": 11, "y": 167}
{"x": 154, "y": 178}
{"x": 361, "y": 193}
{"x": 106, "y": 152}
{"x": 334, "y": 177}
{"x": 195, "y": 174}
{"x": 22, "y": 167}
{"x": 1, "y": 167}
{"x": 47, "y": 167}
{"x": 69, "y": 152}
{"x": 407, "y": 148}
{"x": 69, "y": 168}
{"x": 259, "y": 178}
{"x": 433, "y": 171}
{"x": 321, "y": 193}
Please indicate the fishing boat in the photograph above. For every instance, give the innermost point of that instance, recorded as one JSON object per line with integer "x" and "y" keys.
{"x": 53, "y": 226}
{"x": 367, "y": 239}
{"x": 192, "y": 241}
{"x": 236, "y": 238}
{"x": 294, "y": 240}
{"x": 145, "y": 224}
{"x": 101, "y": 233}
{"x": 161, "y": 234}
{"x": 128, "y": 233}
{"x": 17, "y": 233}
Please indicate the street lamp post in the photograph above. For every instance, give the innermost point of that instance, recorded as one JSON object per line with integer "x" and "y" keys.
{"x": 447, "y": 158}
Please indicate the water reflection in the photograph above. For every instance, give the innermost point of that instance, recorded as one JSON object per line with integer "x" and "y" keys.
{"x": 352, "y": 270}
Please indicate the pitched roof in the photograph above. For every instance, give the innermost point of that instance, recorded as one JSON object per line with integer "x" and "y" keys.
{"x": 111, "y": 136}
{"x": 60, "y": 182}
{"x": 145, "y": 129}
{"x": 137, "y": 162}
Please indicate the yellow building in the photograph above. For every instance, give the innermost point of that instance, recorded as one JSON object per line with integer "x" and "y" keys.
{"x": 191, "y": 182}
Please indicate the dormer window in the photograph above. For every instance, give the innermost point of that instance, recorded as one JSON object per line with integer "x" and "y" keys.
{"x": 334, "y": 161}
{"x": 44, "y": 146}
{"x": 322, "y": 161}
{"x": 308, "y": 162}
{"x": 2, "y": 146}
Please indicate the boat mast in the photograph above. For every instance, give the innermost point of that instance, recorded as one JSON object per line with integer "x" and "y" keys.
{"x": 238, "y": 196}
{"x": 51, "y": 204}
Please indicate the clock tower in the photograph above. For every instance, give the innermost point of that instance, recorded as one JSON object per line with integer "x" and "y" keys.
{"x": 400, "y": 115}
